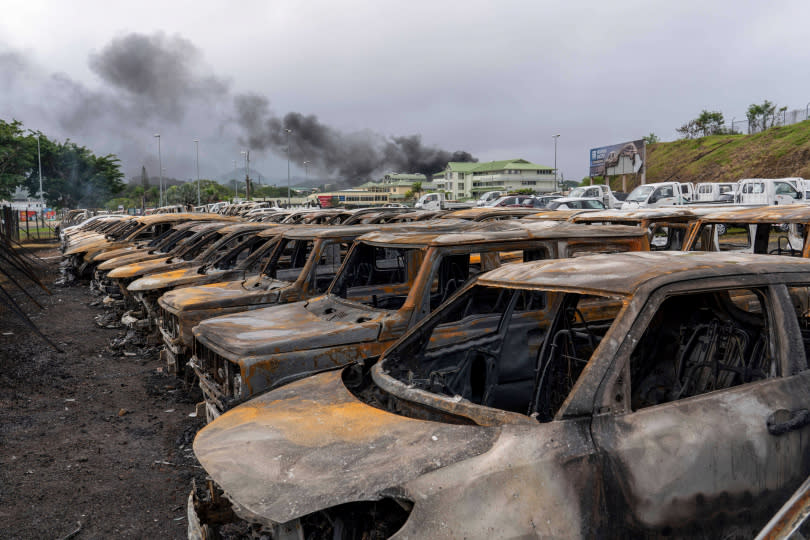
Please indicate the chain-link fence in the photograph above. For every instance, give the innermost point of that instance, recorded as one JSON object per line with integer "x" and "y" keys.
{"x": 778, "y": 118}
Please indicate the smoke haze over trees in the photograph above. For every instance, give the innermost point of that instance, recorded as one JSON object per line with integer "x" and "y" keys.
{"x": 71, "y": 174}
{"x": 160, "y": 83}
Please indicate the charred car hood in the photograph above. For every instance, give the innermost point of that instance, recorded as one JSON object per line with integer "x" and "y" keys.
{"x": 218, "y": 295}
{"x": 312, "y": 445}
{"x": 130, "y": 258}
{"x": 281, "y": 329}
{"x": 91, "y": 245}
{"x": 120, "y": 252}
{"x": 170, "y": 279}
{"x": 151, "y": 266}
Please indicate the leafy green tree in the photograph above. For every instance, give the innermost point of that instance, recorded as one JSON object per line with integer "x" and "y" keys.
{"x": 652, "y": 138}
{"x": 272, "y": 192}
{"x": 73, "y": 176}
{"x": 17, "y": 156}
{"x": 707, "y": 123}
{"x": 758, "y": 115}
{"x": 417, "y": 187}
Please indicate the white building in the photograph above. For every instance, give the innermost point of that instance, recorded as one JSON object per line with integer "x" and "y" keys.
{"x": 469, "y": 180}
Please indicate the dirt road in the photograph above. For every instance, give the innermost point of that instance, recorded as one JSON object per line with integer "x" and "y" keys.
{"x": 94, "y": 438}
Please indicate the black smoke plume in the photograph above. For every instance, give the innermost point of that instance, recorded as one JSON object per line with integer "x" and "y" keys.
{"x": 354, "y": 157}
{"x": 160, "y": 82}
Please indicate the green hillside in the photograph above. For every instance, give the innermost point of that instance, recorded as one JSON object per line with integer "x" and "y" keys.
{"x": 774, "y": 153}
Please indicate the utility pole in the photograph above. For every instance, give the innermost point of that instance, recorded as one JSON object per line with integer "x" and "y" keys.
{"x": 288, "y": 167}
{"x": 160, "y": 169}
{"x": 235, "y": 190}
{"x": 555, "y": 137}
{"x": 39, "y": 160}
{"x": 197, "y": 146}
{"x": 247, "y": 173}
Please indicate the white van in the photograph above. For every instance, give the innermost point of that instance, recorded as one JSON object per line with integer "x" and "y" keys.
{"x": 769, "y": 191}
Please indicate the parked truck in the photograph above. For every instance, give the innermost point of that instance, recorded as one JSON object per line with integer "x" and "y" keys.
{"x": 716, "y": 192}
{"x": 599, "y": 191}
{"x": 437, "y": 201}
{"x": 770, "y": 191}
{"x": 659, "y": 194}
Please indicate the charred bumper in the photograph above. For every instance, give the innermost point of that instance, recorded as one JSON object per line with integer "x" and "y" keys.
{"x": 220, "y": 380}
{"x": 210, "y": 514}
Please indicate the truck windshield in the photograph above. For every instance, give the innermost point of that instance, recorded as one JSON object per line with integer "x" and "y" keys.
{"x": 640, "y": 194}
{"x": 380, "y": 277}
{"x": 577, "y": 192}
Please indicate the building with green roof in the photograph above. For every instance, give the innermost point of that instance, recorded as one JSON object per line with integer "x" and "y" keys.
{"x": 465, "y": 180}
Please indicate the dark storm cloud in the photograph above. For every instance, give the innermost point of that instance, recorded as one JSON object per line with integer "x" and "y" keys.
{"x": 354, "y": 157}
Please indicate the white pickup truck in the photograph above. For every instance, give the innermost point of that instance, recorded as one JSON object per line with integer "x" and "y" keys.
{"x": 599, "y": 191}
{"x": 770, "y": 191}
{"x": 658, "y": 195}
{"x": 716, "y": 192}
{"x": 436, "y": 201}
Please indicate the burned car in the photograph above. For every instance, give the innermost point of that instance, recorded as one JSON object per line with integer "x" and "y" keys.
{"x": 668, "y": 227}
{"x": 225, "y": 241}
{"x": 161, "y": 247}
{"x": 388, "y": 283}
{"x": 629, "y": 395}
{"x": 203, "y": 235}
{"x": 128, "y": 231}
{"x": 773, "y": 230}
{"x": 301, "y": 265}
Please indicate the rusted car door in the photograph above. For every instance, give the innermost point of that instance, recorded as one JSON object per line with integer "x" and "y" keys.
{"x": 703, "y": 428}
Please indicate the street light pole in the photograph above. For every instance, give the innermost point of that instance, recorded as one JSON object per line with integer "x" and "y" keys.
{"x": 555, "y": 137}
{"x": 197, "y": 147}
{"x": 160, "y": 168}
{"x": 39, "y": 160}
{"x": 306, "y": 168}
{"x": 246, "y": 153}
{"x": 288, "y": 167}
{"x": 235, "y": 190}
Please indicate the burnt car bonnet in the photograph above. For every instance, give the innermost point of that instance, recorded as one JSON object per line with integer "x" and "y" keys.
{"x": 279, "y": 329}
{"x": 312, "y": 445}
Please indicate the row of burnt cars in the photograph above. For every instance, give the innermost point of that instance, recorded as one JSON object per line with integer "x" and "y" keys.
{"x": 480, "y": 373}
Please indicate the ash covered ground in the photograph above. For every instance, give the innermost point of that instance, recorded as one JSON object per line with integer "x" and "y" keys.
{"x": 94, "y": 439}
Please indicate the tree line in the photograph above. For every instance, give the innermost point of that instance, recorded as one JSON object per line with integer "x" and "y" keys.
{"x": 760, "y": 116}
{"x": 144, "y": 192}
{"x": 72, "y": 175}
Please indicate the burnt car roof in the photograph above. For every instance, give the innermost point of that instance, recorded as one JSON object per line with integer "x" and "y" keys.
{"x": 161, "y": 218}
{"x": 669, "y": 213}
{"x": 206, "y": 225}
{"x": 625, "y": 273}
{"x": 485, "y": 211}
{"x": 557, "y": 215}
{"x": 789, "y": 213}
{"x": 334, "y": 231}
{"x": 236, "y": 227}
{"x": 501, "y": 231}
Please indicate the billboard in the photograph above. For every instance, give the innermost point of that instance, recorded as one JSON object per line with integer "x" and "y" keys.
{"x": 622, "y": 158}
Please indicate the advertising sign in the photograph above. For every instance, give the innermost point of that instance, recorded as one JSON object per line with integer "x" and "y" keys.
{"x": 622, "y": 158}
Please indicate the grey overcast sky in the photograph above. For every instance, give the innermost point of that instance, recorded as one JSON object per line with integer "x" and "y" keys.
{"x": 495, "y": 79}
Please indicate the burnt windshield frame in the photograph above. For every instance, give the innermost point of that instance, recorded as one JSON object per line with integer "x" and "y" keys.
{"x": 301, "y": 252}
{"x": 351, "y": 264}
